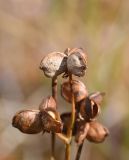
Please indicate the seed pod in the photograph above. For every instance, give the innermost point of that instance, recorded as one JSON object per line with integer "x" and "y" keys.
{"x": 48, "y": 102}
{"x": 53, "y": 64}
{"x": 88, "y": 109}
{"x": 79, "y": 91}
{"x": 50, "y": 121}
{"x": 28, "y": 121}
{"x": 77, "y": 62}
{"x": 81, "y": 131}
{"x": 97, "y": 97}
{"x": 97, "y": 133}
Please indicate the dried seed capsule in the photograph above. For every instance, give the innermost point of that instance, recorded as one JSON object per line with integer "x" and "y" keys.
{"x": 79, "y": 90}
{"x": 88, "y": 109}
{"x": 28, "y": 121}
{"x": 97, "y": 97}
{"x": 47, "y": 102}
{"x": 97, "y": 133}
{"x": 50, "y": 121}
{"x": 53, "y": 64}
{"x": 81, "y": 131}
{"x": 77, "y": 62}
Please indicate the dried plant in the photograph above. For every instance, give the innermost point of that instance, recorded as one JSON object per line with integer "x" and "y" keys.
{"x": 81, "y": 122}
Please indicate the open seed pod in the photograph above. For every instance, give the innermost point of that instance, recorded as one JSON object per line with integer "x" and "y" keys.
{"x": 28, "y": 121}
{"x": 77, "y": 62}
{"x": 97, "y": 97}
{"x": 53, "y": 64}
{"x": 96, "y": 133}
{"x": 79, "y": 91}
{"x": 88, "y": 109}
{"x": 48, "y": 102}
{"x": 51, "y": 121}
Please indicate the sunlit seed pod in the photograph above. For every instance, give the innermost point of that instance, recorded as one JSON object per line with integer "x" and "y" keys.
{"x": 97, "y": 97}
{"x": 28, "y": 121}
{"x": 97, "y": 133}
{"x": 54, "y": 64}
{"x": 48, "y": 102}
{"x": 79, "y": 90}
{"x": 77, "y": 62}
{"x": 50, "y": 121}
{"x": 88, "y": 109}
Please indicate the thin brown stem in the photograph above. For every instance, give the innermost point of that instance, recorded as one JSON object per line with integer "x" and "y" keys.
{"x": 69, "y": 132}
{"x": 63, "y": 138}
{"x": 79, "y": 151}
{"x": 54, "y": 95}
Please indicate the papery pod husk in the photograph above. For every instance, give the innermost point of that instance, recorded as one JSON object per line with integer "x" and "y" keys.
{"x": 48, "y": 102}
{"x": 50, "y": 121}
{"x": 97, "y": 97}
{"x": 88, "y": 109}
{"x": 54, "y": 64}
{"x": 79, "y": 90}
{"x": 97, "y": 132}
{"x": 82, "y": 128}
{"x": 77, "y": 62}
{"x": 28, "y": 121}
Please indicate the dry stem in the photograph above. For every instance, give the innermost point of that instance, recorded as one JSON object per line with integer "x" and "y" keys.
{"x": 79, "y": 151}
{"x": 69, "y": 132}
{"x": 54, "y": 95}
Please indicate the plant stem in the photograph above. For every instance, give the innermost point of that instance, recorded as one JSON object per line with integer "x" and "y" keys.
{"x": 69, "y": 132}
{"x": 79, "y": 151}
{"x": 63, "y": 138}
{"x": 54, "y": 95}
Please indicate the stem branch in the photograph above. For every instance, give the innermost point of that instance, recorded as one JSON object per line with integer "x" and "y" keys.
{"x": 79, "y": 151}
{"x": 70, "y": 129}
{"x": 54, "y": 95}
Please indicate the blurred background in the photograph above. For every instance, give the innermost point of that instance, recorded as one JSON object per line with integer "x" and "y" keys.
{"x": 29, "y": 30}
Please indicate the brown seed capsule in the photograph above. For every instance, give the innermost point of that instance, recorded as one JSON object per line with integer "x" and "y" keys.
{"x": 79, "y": 91}
{"x": 77, "y": 62}
{"x": 28, "y": 121}
{"x": 47, "y": 102}
{"x": 88, "y": 109}
{"x": 50, "y": 121}
{"x": 53, "y": 64}
{"x": 81, "y": 131}
{"x": 97, "y": 97}
{"x": 97, "y": 133}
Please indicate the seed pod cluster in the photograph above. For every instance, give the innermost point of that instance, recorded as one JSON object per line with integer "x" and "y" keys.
{"x": 46, "y": 119}
{"x": 72, "y": 61}
{"x": 87, "y": 106}
{"x": 86, "y": 125}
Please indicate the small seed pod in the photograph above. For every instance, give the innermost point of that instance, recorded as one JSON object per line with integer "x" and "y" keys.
{"x": 47, "y": 102}
{"x": 97, "y": 97}
{"x": 96, "y": 133}
{"x": 50, "y": 121}
{"x": 53, "y": 64}
{"x": 81, "y": 131}
{"x": 88, "y": 109}
{"x": 77, "y": 62}
{"x": 79, "y": 91}
{"x": 28, "y": 121}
